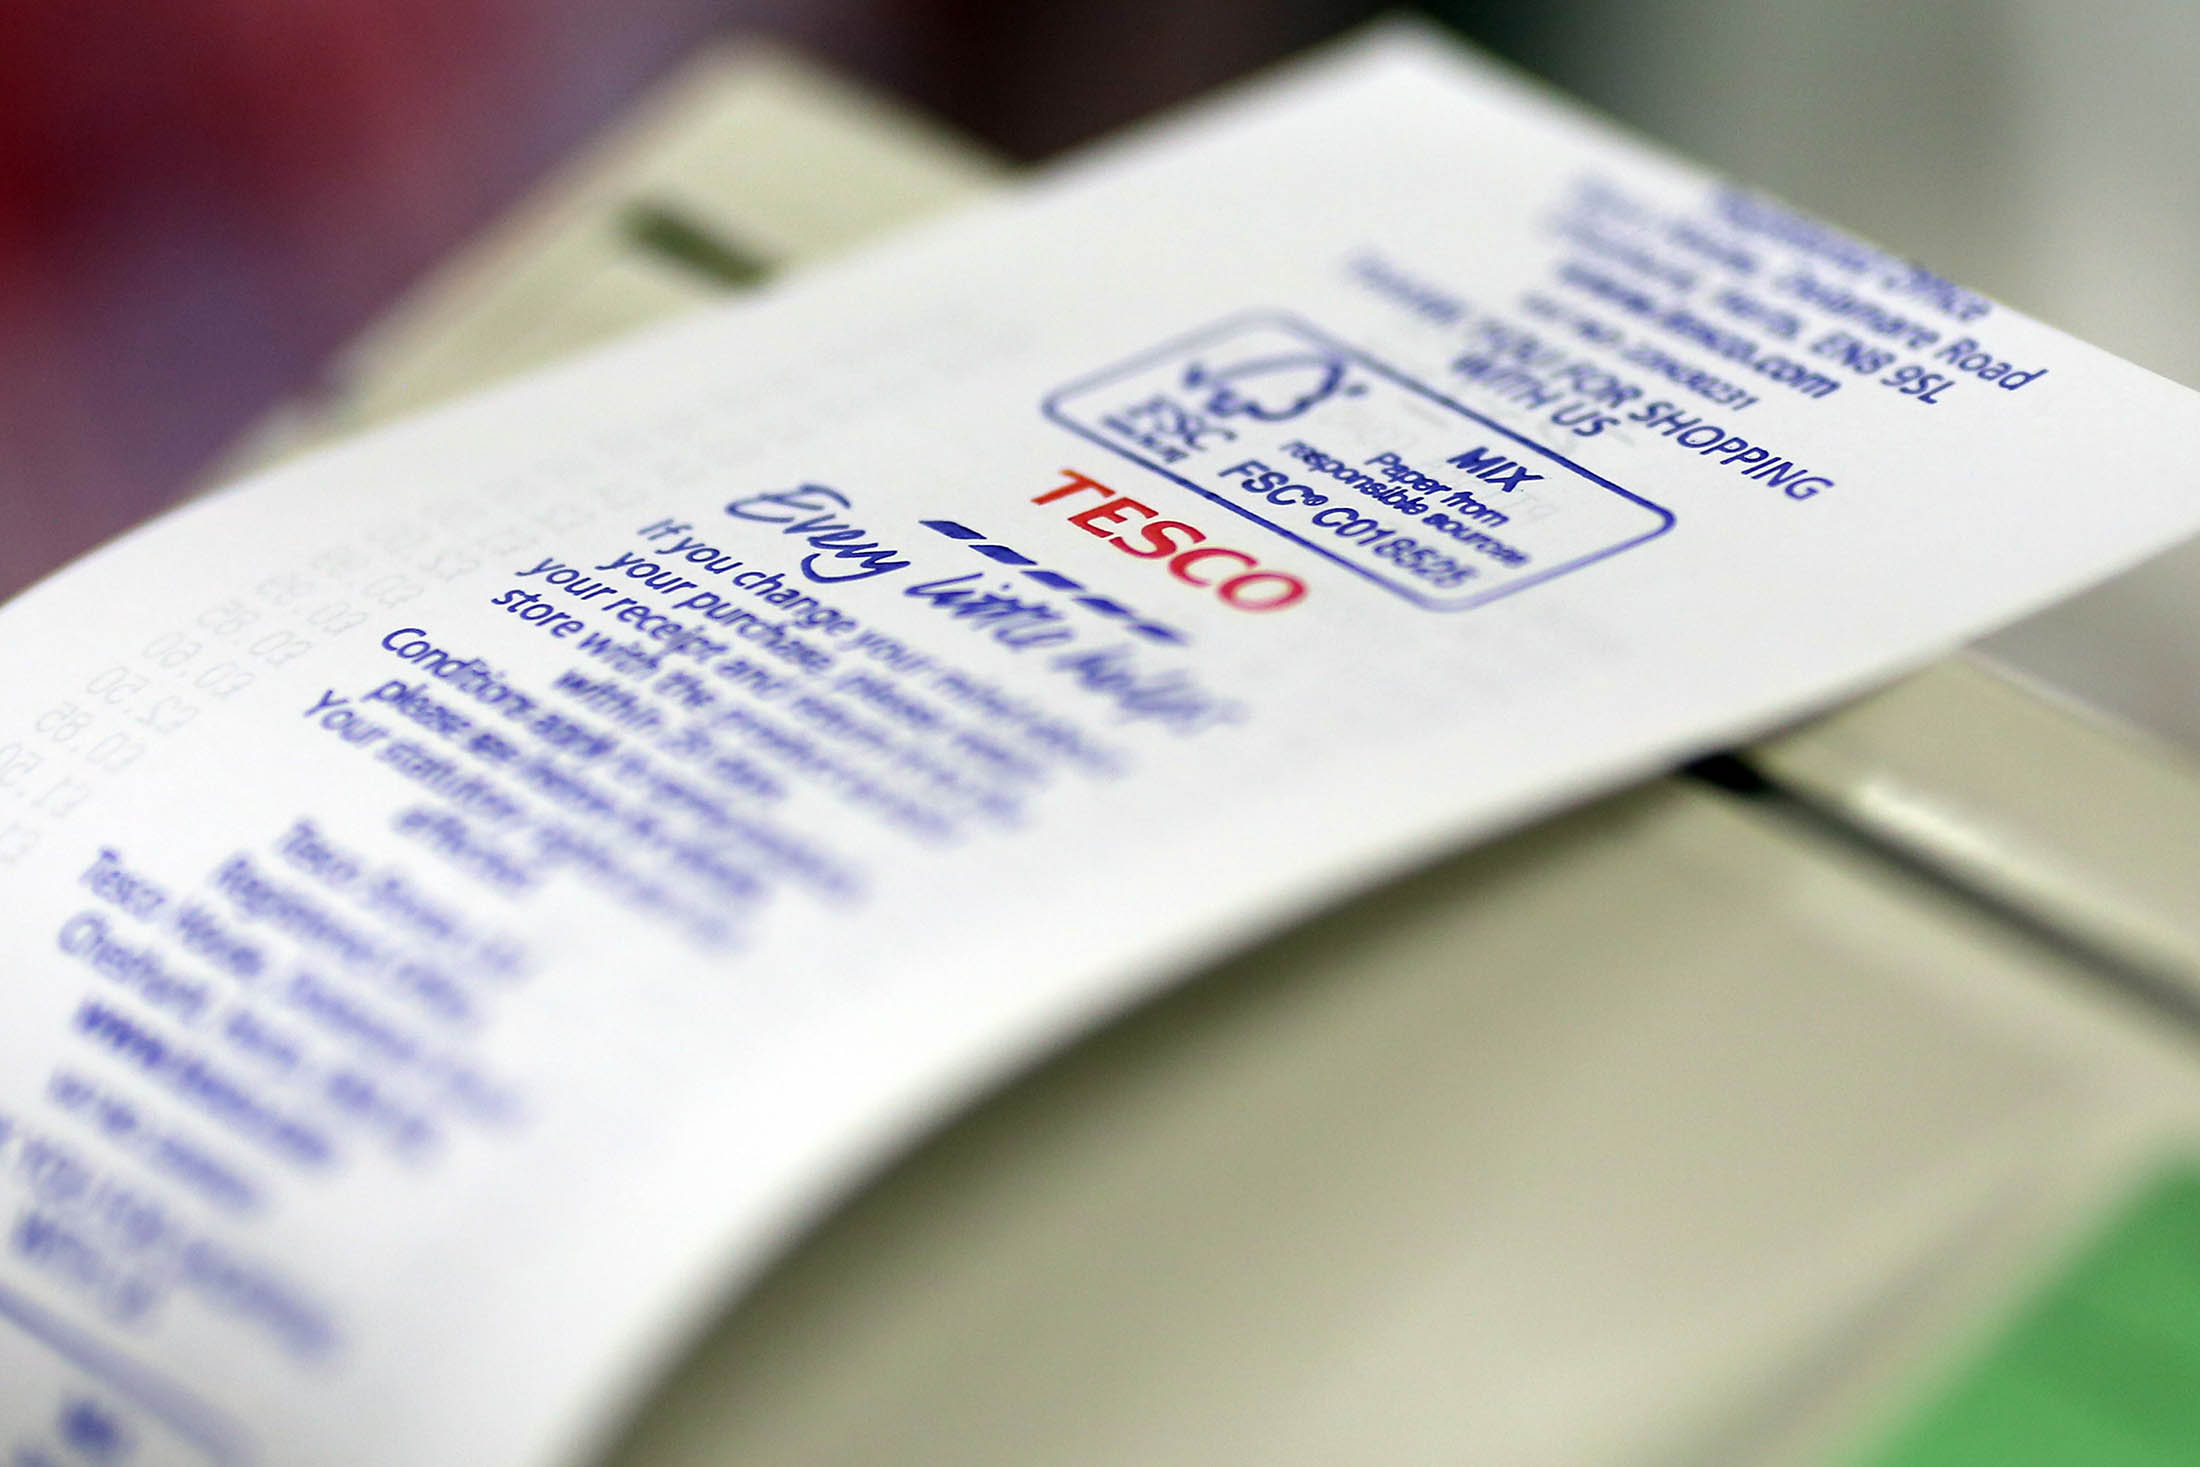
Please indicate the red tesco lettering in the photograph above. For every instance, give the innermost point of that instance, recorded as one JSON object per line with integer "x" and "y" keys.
{"x": 1236, "y": 578}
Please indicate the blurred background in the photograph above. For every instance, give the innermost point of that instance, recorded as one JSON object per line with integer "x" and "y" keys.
{"x": 200, "y": 200}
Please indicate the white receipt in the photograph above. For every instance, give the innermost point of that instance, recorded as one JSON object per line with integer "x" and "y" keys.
{"x": 467, "y": 897}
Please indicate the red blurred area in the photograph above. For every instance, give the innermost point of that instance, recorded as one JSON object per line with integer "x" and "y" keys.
{"x": 200, "y": 199}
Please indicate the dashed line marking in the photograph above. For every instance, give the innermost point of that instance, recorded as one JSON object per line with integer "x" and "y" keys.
{"x": 994, "y": 550}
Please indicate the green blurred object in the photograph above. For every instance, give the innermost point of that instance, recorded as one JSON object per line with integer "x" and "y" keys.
{"x": 674, "y": 236}
{"x": 2101, "y": 1369}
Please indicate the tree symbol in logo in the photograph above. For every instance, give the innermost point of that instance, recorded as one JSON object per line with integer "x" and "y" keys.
{"x": 1272, "y": 389}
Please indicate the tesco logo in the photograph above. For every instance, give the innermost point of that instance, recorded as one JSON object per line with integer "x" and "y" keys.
{"x": 1237, "y": 579}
